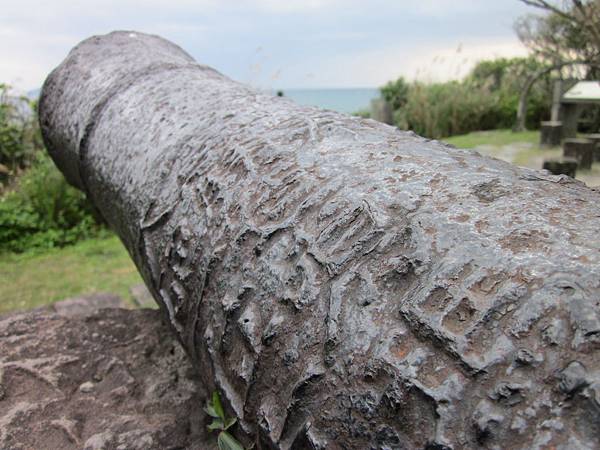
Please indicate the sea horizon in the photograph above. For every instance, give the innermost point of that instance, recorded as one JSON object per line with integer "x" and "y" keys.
{"x": 344, "y": 100}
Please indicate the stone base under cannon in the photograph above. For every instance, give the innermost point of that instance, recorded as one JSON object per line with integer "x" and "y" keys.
{"x": 73, "y": 376}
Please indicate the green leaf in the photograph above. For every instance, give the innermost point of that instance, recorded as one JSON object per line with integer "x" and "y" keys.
{"x": 216, "y": 424}
{"x": 229, "y": 423}
{"x": 216, "y": 404}
{"x": 211, "y": 411}
{"x": 225, "y": 441}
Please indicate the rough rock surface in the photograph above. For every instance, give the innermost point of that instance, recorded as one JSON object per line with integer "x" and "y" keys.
{"x": 343, "y": 283}
{"x": 94, "y": 379}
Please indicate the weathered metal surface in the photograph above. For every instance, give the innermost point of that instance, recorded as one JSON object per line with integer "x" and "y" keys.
{"x": 343, "y": 283}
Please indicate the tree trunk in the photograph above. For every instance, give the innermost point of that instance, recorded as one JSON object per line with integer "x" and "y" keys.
{"x": 521, "y": 122}
{"x": 342, "y": 283}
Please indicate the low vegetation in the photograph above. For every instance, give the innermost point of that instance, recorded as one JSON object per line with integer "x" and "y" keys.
{"x": 484, "y": 100}
{"x": 221, "y": 423}
{"x": 38, "y": 278}
{"x": 38, "y": 209}
{"x": 42, "y": 211}
{"x": 52, "y": 244}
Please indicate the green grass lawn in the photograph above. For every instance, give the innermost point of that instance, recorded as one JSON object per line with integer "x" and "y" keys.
{"x": 493, "y": 137}
{"x": 95, "y": 265}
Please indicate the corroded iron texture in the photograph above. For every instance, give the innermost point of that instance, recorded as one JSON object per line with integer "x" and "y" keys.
{"x": 344, "y": 284}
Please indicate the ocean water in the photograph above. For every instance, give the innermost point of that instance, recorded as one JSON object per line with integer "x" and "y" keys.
{"x": 345, "y": 100}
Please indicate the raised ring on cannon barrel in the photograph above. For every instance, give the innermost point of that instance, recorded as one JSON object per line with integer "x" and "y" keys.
{"x": 342, "y": 283}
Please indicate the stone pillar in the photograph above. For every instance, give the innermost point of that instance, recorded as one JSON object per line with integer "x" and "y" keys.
{"x": 550, "y": 134}
{"x": 595, "y": 138}
{"x": 580, "y": 149}
{"x": 570, "y": 119}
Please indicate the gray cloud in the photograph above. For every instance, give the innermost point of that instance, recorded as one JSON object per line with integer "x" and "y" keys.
{"x": 303, "y": 42}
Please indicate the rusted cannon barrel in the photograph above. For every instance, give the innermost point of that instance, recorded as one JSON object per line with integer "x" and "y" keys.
{"x": 342, "y": 283}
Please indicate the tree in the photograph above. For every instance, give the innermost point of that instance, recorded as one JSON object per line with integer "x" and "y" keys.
{"x": 492, "y": 72}
{"x": 569, "y": 32}
{"x": 566, "y": 40}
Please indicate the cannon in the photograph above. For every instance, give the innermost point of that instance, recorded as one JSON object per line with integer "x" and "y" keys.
{"x": 342, "y": 283}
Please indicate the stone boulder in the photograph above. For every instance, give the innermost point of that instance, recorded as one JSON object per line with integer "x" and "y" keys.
{"x": 77, "y": 377}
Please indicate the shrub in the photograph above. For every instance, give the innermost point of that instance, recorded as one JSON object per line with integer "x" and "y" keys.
{"x": 20, "y": 137}
{"x": 364, "y": 113}
{"x": 445, "y": 109}
{"x": 486, "y": 99}
{"x": 44, "y": 211}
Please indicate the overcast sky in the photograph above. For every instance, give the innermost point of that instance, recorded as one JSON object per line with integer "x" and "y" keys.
{"x": 271, "y": 43}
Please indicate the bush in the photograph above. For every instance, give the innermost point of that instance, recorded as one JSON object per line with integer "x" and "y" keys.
{"x": 20, "y": 137}
{"x": 40, "y": 210}
{"x": 444, "y": 109}
{"x": 364, "y": 113}
{"x": 44, "y": 211}
{"x": 486, "y": 99}
{"x": 396, "y": 93}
